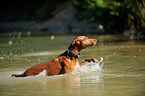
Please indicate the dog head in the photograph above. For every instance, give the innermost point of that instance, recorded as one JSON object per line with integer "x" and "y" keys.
{"x": 83, "y": 42}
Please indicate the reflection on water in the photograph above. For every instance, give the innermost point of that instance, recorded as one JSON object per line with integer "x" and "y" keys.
{"x": 68, "y": 84}
{"x": 123, "y": 72}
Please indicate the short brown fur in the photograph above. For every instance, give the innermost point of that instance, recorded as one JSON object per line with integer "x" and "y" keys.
{"x": 64, "y": 63}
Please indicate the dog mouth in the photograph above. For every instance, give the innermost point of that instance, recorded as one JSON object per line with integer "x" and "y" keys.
{"x": 94, "y": 42}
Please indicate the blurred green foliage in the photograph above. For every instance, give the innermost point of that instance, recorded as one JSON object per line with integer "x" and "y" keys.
{"x": 113, "y": 14}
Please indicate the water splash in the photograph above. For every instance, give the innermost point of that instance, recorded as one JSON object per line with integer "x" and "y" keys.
{"x": 43, "y": 73}
{"x": 87, "y": 68}
{"x": 91, "y": 67}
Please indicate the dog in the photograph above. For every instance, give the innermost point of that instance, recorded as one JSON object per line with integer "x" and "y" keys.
{"x": 65, "y": 62}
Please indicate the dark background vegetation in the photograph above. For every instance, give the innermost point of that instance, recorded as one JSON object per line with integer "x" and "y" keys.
{"x": 16, "y": 10}
{"x": 114, "y": 14}
{"x": 111, "y": 15}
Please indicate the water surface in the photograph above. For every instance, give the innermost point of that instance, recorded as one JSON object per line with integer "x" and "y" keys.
{"x": 123, "y": 73}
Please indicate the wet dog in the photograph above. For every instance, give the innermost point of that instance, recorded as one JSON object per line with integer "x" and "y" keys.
{"x": 65, "y": 62}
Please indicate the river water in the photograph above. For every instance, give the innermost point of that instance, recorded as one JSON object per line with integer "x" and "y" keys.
{"x": 122, "y": 73}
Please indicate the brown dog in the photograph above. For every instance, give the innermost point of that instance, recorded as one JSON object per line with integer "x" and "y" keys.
{"x": 64, "y": 63}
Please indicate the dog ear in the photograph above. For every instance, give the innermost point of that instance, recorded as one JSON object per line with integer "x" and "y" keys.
{"x": 76, "y": 42}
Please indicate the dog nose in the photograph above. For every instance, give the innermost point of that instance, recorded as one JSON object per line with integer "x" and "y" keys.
{"x": 95, "y": 40}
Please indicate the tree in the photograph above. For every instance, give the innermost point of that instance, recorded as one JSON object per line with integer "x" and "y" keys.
{"x": 117, "y": 15}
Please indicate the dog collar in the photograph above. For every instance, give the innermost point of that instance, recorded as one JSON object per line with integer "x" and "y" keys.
{"x": 71, "y": 54}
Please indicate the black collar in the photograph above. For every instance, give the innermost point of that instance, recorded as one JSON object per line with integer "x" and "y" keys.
{"x": 71, "y": 54}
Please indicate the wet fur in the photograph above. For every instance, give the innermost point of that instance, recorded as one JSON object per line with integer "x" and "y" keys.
{"x": 64, "y": 63}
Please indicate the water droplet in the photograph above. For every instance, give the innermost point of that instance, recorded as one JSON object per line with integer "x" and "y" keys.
{"x": 52, "y": 37}
{"x": 10, "y": 34}
{"x": 8, "y": 57}
{"x": 2, "y": 58}
{"x": 29, "y": 60}
{"x": 107, "y": 57}
{"x": 28, "y": 33}
{"x": 11, "y": 53}
{"x": 19, "y": 35}
{"x": 32, "y": 50}
{"x": 139, "y": 50}
{"x": 10, "y": 42}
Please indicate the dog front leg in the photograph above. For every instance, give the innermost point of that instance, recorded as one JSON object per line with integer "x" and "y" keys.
{"x": 88, "y": 60}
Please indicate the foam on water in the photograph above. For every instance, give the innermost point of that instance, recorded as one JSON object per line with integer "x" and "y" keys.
{"x": 43, "y": 73}
{"x": 87, "y": 68}
{"x": 90, "y": 67}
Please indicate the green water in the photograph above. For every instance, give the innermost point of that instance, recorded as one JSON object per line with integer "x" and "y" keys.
{"x": 123, "y": 73}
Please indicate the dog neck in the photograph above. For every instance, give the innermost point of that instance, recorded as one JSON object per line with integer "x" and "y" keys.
{"x": 72, "y": 54}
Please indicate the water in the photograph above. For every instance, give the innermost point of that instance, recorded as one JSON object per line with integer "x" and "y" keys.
{"x": 121, "y": 71}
